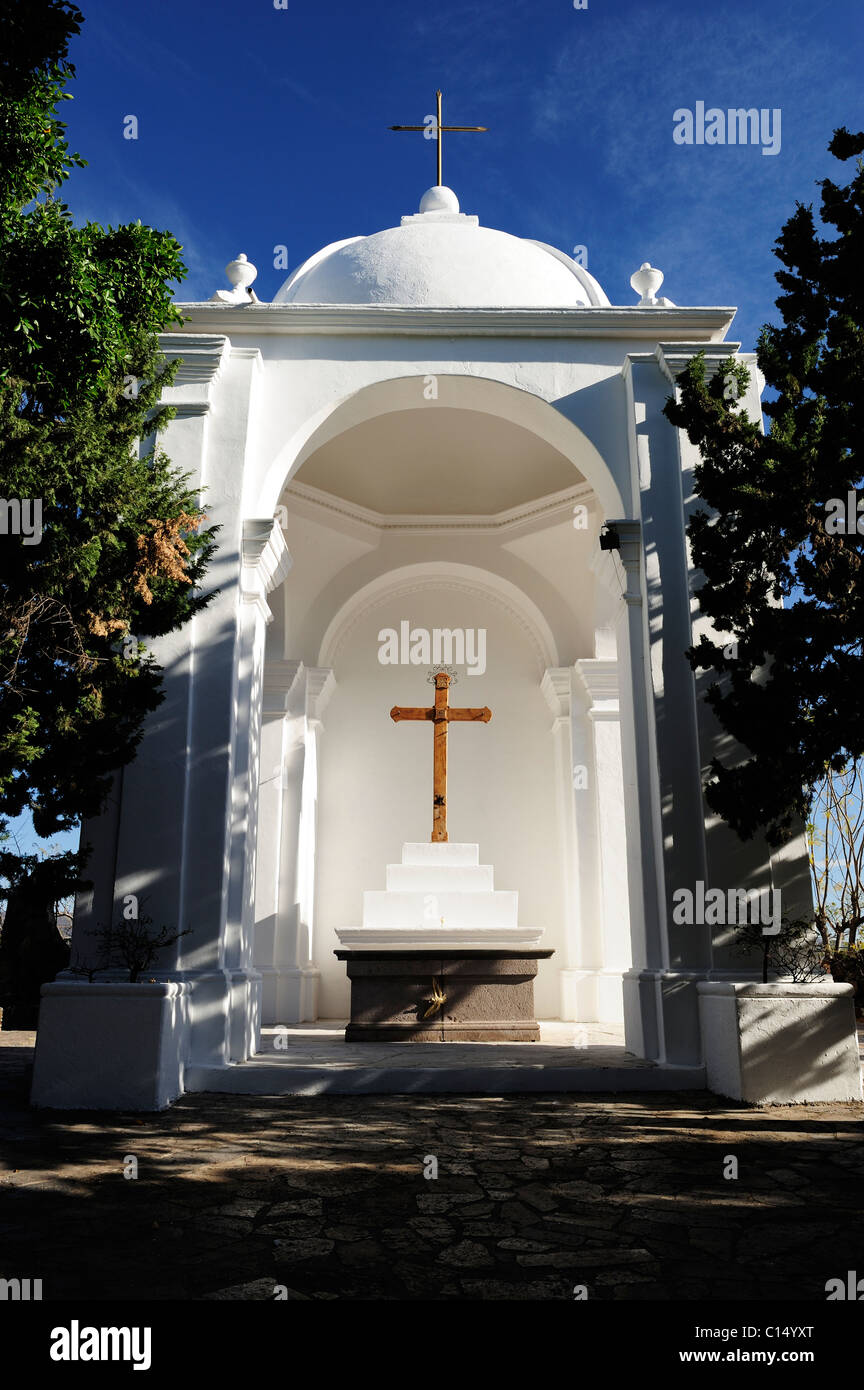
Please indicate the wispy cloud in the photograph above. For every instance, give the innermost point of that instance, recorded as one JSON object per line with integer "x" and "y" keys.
{"x": 130, "y": 45}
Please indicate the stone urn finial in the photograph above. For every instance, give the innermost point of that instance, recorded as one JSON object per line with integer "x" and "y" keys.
{"x": 240, "y": 272}
{"x": 646, "y": 281}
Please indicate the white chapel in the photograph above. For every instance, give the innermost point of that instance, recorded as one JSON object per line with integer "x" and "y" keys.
{"x": 440, "y": 444}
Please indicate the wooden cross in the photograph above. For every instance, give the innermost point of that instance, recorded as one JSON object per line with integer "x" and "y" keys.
{"x": 441, "y": 715}
{"x": 439, "y": 129}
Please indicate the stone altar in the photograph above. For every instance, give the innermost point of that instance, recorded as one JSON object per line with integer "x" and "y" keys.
{"x": 440, "y": 956}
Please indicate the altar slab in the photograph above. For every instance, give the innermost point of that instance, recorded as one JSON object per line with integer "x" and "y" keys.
{"x": 476, "y": 995}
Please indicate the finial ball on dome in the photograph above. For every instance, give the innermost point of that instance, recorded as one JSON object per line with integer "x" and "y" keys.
{"x": 439, "y": 199}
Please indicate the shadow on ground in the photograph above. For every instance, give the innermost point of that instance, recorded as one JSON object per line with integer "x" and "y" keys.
{"x": 535, "y": 1194}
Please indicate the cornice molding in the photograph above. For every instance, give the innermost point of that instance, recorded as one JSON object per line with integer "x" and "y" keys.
{"x": 601, "y": 683}
{"x": 279, "y": 675}
{"x": 290, "y": 686}
{"x": 266, "y": 561}
{"x": 320, "y": 684}
{"x": 279, "y": 682}
{"x": 630, "y": 554}
{"x": 557, "y": 692}
{"x": 201, "y": 356}
{"x": 673, "y": 358}
{"x": 657, "y": 324}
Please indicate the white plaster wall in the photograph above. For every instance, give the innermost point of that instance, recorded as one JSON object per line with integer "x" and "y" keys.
{"x": 376, "y": 777}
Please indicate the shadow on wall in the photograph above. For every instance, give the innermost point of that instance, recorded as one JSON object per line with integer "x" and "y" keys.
{"x": 804, "y": 1050}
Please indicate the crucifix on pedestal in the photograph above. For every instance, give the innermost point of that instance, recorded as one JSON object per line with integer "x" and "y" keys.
{"x": 441, "y": 715}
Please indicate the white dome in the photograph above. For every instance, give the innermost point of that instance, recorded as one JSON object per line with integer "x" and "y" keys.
{"x": 440, "y": 258}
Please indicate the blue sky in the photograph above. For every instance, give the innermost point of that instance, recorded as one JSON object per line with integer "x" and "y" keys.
{"x": 260, "y": 127}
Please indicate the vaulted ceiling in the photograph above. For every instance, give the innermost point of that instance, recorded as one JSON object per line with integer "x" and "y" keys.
{"x": 438, "y": 461}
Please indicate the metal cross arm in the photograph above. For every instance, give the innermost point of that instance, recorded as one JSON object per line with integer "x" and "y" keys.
{"x": 439, "y": 128}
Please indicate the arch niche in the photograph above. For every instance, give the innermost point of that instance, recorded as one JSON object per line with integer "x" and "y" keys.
{"x": 455, "y": 514}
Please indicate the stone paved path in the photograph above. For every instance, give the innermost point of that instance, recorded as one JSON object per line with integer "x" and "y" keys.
{"x": 327, "y": 1196}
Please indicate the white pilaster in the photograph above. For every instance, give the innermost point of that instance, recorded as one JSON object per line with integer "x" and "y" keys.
{"x": 642, "y": 1002}
{"x": 265, "y": 563}
{"x": 602, "y": 831}
{"x": 295, "y": 698}
{"x": 557, "y": 689}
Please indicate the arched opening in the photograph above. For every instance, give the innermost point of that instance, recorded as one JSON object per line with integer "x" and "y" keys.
{"x": 446, "y": 519}
{"x": 435, "y": 393}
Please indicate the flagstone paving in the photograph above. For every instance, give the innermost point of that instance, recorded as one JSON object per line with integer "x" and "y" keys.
{"x": 326, "y": 1197}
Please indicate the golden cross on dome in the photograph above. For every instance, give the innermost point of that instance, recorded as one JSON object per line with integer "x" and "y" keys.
{"x": 434, "y": 128}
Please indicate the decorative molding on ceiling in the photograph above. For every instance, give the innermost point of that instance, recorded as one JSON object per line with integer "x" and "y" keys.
{"x": 439, "y": 576}
{"x": 542, "y": 509}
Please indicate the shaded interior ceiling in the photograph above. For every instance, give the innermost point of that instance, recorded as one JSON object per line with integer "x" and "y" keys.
{"x": 438, "y": 462}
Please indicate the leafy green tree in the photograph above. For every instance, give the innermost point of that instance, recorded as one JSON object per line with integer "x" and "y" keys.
{"x": 119, "y": 551}
{"x": 789, "y": 688}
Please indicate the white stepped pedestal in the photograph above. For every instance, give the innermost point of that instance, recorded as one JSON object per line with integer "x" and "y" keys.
{"x": 428, "y": 909}
{"x": 439, "y": 878}
{"x": 440, "y": 954}
{"x": 448, "y": 854}
{"x": 440, "y": 895}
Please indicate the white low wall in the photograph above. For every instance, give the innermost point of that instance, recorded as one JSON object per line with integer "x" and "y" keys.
{"x": 780, "y": 1043}
{"x": 110, "y": 1046}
